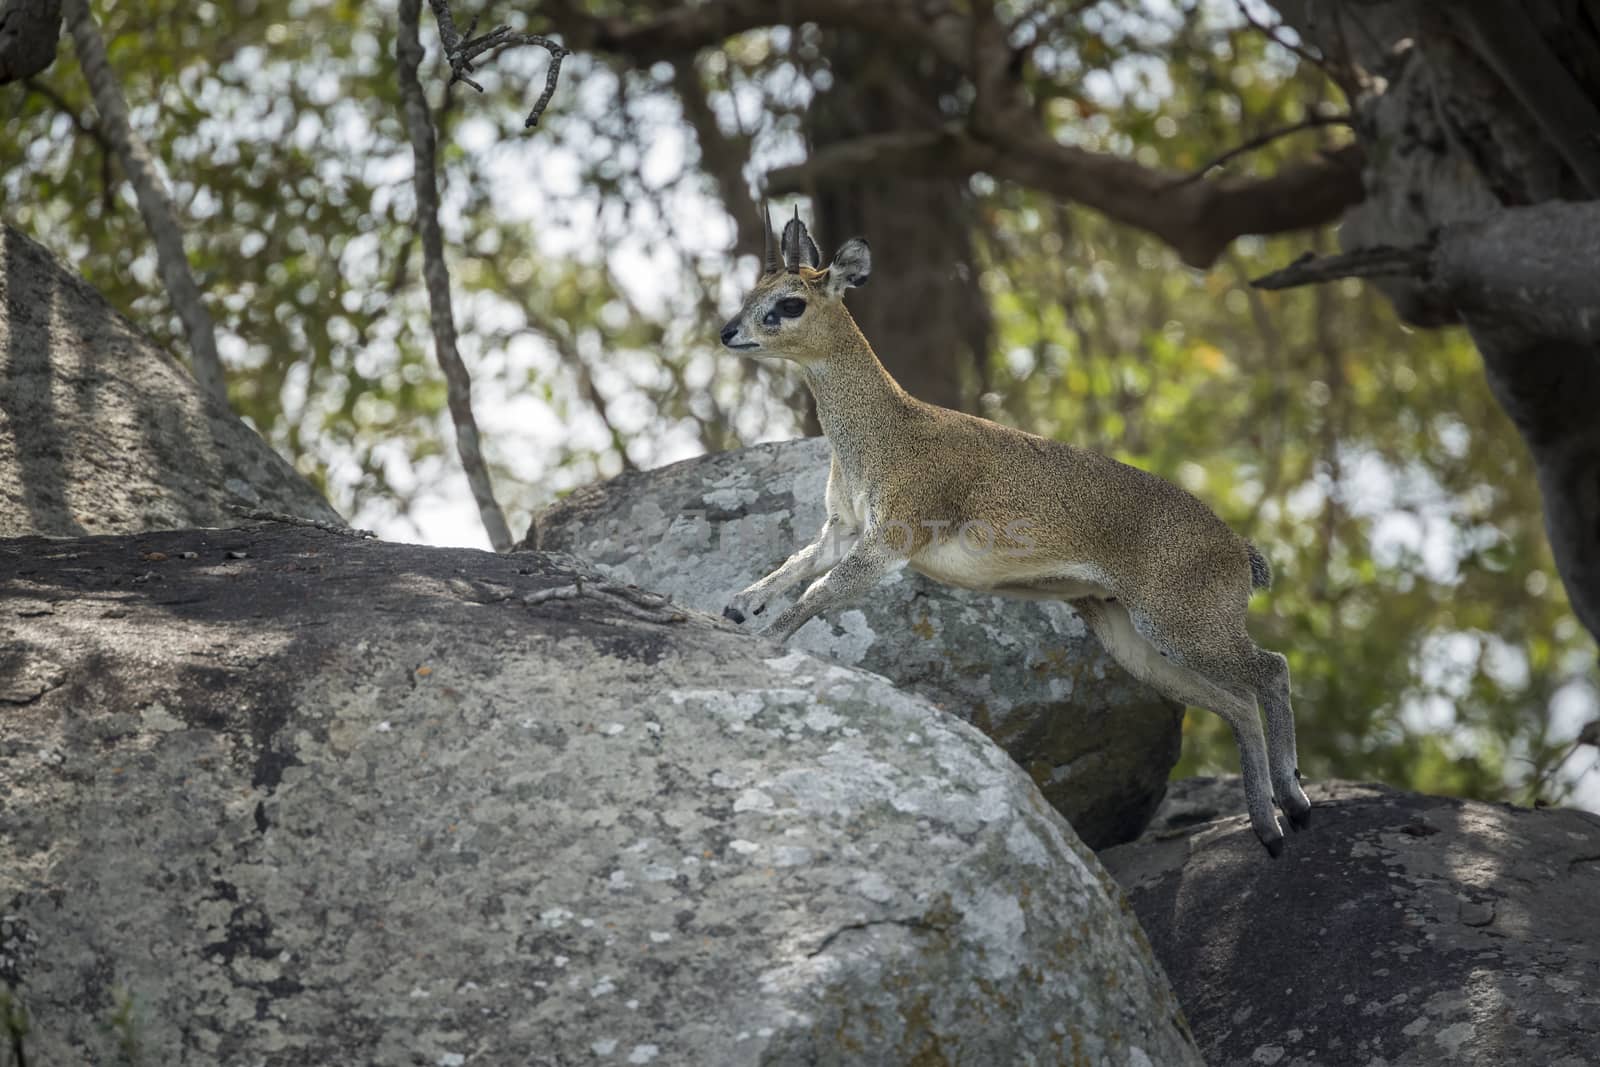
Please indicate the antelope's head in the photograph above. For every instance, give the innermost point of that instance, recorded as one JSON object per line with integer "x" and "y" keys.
{"x": 796, "y": 309}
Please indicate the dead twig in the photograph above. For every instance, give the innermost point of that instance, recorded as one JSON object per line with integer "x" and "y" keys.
{"x": 63, "y": 105}
{"x": 1271, "y": 33}
{"x": 1380, "y": 261}
{"x": 628, "y": 599}
{"x": 295, "y": 520}
{"x": 89, "y": 129}
{"x": 1588, "y": 735}
{"x": 461, "y": 51}
{"x": 1261, "y": 141}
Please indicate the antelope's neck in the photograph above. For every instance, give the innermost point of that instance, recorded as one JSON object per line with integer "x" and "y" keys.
{"x": 858, "y": 404}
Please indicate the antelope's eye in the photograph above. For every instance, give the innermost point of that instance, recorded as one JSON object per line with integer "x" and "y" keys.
{"x": 790, "y": 307}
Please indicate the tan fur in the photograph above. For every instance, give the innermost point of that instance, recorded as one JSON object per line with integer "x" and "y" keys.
{"x": 1160, "y": 580}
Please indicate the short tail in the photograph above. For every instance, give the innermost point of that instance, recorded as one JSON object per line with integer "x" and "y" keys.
{"x": 1260, "y": 569}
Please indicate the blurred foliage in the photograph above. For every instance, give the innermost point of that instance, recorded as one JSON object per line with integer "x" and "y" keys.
{"x": 1430, "y": 641}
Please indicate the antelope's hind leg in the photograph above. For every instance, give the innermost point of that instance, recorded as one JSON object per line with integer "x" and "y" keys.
{"x": 1271, "y": 683}
{"x": 1164, "y": 665}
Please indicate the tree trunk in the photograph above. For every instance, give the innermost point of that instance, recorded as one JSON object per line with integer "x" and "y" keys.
{"x": 155, "y": 202}
{"x": 924, "y": 312}
{"x": 29, "y": 30}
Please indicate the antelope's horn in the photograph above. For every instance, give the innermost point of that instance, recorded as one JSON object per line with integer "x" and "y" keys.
{"x": 769, "y": 253}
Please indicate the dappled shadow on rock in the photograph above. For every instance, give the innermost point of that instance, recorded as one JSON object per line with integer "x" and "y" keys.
{"x": 275, "y": 795}
{"x": 101, "y": 431}
{"x": 1399, "y": 929}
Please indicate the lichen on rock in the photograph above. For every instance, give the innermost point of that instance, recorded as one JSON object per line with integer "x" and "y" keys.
{"x": 341, "y": 801}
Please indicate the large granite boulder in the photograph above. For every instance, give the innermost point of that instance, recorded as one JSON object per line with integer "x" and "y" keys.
{"x": 1401, "y": 929}
{"x": 276, "y": 796}
{"x": 1098, "y": 744}
{"x": 102, "y": 432}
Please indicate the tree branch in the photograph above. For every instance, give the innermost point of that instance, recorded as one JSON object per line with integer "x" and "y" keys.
{"x": 1002, "y": 136}
{"x": 461, "y": 51}
{"x": 558, "y": 335}
{"x": 63, "y": 105}
{"x": 689, "y": 28}
{"x": 108, "y": 181}
{"x": 155, "y": 205}
{"x": 419, "y": 127}
{"x": 1198, "y": 219}
{"x": 1339, "y": 74}
{"x": 1529, "y": 266}
{"x": 1515, "y": 268}
{"x": 1381, "y": 261}
{"x": 29, "y": 30}
{"x": 1261, "y": 141}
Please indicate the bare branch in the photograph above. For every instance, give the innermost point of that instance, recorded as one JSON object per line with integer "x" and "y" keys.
{"x": 462, "y": 51}
{"x": 263, "y": 515}
{"x": 628, "y": 599}
{"x": 419, "y": 126}
{"x": 1003, "y": 137}
{"x": 1262, "y": 140}
{"x": 559, "y": 336}
{"x": 1529, "y": 267}
{"x": 686, "y": 28}
{"x": 108, "y": 151}
{"x": 1381, "y": 261}
{"x": 1514, "y": 267}
{"x": 63, "y": 105}
{"x": 29, "y": 30}
{"x": 1199, "y": 220}
{"x": 1339, "y": 76}
{"x": 155, "y": 205}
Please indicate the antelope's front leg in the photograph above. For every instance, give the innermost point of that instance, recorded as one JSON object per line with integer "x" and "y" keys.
{"x": 830, "y": 546}
{"x": 867, "y": 563}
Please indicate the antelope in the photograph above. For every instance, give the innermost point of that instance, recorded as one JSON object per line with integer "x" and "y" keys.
{"x": 1156, "y": 576}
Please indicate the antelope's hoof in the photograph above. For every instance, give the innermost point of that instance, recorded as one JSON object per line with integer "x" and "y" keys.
{"x": 1300, "y": 820}
{"x": 1274, "y": 846}
{"x": 733, "y": 614}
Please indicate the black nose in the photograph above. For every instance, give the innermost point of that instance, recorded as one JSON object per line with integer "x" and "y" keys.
{"x": 729, "y": 331}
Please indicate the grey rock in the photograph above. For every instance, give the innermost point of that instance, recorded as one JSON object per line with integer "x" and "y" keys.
{"x": 1097, "y": 743}
{"x": 103, "y": 432}
{"x": 347, "y": 802}
{"x": 1401, "y": 929}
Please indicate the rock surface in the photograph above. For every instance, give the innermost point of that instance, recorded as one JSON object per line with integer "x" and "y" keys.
{"x": 303, "y": 798}
{"x": 102, "y": 432}
{"x": 1098, "y": 744}
{"x": 1401, "y": 930}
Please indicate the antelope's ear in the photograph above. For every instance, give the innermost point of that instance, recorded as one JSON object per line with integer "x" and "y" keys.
{"x": 851, "y": 266}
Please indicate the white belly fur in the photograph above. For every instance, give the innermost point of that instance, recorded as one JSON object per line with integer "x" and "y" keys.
{"x": 993, "y": 572}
